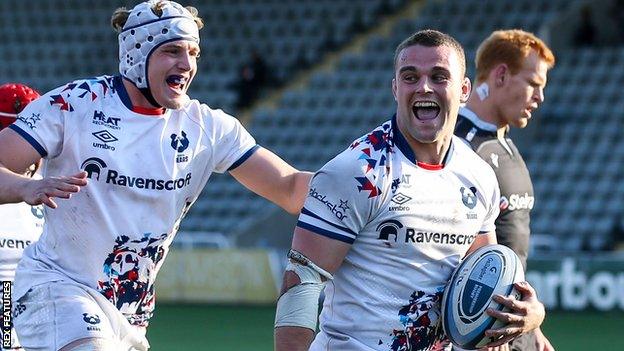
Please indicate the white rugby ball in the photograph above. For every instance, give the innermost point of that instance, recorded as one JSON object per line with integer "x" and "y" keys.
{"x": 490, "y": 270}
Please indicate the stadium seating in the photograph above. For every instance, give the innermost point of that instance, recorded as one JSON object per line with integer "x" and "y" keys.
{"x": 75, "y": 40}
{"x": 575, "y": 155}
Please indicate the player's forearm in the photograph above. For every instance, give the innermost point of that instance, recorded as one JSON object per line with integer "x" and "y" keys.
{"x": 293, "y": 338}
{"x": 11, "y": 185}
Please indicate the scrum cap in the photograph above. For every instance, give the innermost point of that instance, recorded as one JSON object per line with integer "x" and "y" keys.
{"x": 13, "y": 98}
{"x": 144, "y": 31}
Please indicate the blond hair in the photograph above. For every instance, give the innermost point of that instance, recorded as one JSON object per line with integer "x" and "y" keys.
{"x": 120, "y": 16}
{"x": 510, "y": 47}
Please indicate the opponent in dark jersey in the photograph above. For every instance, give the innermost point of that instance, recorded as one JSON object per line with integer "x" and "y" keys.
{"x": 516, "y": 202}
{"x": 511, "y": 67}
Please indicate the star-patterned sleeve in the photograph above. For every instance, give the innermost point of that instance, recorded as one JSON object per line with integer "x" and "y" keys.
{"x": 340, "y": 200}
{"x": 41, "y": 123}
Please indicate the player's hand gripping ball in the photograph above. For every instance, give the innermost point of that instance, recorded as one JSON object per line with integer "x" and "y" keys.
{"x": 490, "y": 270}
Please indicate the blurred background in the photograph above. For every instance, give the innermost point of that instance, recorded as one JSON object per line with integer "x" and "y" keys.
{"x": 306, "y": 78}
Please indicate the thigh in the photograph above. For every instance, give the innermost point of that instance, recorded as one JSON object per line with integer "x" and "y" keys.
{"x": 52, "y": 315}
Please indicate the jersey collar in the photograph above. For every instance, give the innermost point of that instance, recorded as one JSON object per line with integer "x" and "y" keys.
{"x": 478, "y": 122}
{"x": 121, "y": 92}
{"x": 399, "y": 141}
{"x": 125, "y": 98}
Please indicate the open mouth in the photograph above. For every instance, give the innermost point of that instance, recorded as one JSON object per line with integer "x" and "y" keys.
{"x": 426, "y": 110}
{"x": 176, "y": 82}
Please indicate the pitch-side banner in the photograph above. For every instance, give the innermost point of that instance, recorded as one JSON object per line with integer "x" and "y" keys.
{"x": 217, "y": 276}
{"x": 577, "y": 283}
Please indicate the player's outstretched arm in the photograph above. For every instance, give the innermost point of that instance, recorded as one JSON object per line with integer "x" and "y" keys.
{"x": 267, "y": 175}
{"x": 525, "y": 315}
{"x": 313, "y": 260}
{"x": 17, "y": 156}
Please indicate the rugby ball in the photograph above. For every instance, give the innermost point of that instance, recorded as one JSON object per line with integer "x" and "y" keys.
{"x": 490, "y": 270}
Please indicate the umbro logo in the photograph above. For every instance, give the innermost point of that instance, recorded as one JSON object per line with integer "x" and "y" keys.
{"x": 400, "y": 198}
{"x": 106, "y": 137}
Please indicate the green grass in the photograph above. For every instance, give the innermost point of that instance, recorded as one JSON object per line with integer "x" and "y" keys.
{"x": 238, "y": 328}
{"x": 207, "y": 327}
{"x": 585, "y": 330}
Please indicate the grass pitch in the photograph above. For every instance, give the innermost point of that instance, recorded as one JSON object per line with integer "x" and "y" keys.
{"x": 244, "y": 328}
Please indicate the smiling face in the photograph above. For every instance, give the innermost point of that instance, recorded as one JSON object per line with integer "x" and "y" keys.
{"x": 428, "y": 85}
{"x": 172, "y": 67}
{"x": 523, "y": 92}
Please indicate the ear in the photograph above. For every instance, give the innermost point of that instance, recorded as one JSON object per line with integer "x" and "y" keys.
{"x": 394, "y": 89}
{"x": 465, "y": 90}
{"x": 500, "y": 74}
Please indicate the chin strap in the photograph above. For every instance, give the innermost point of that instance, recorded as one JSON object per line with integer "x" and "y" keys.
{"x": 148, "y": 95}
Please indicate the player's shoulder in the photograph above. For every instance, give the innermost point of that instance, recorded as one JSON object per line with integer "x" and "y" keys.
{"x": 367, "y": 153}
{"x": 470, "y": 161}
{"x": 472, "y": 130}
{"x": 81, "y": 92}
{"x": 207, "y": 115}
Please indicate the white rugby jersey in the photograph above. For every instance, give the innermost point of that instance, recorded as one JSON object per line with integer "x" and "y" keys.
{"x": 408, "y": 225}
{"x": 20, "y": 225}
{"x": 144, "y": 172}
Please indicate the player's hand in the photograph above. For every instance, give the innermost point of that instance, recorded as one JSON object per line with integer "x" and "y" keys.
{"x": 541, "y": 342}
{"x": 525, "y": 315}
{"x": 42, "y": 191}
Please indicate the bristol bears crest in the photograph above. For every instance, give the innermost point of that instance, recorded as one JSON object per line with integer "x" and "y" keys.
{"x": 469, "y": 196}
{"x": 91, "y": 318}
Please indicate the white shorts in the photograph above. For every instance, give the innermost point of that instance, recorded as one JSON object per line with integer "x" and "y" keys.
{"x": 52, "y": 315}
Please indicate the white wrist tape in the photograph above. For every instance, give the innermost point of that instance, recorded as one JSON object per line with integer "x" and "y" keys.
{"x": 298, "y": 306}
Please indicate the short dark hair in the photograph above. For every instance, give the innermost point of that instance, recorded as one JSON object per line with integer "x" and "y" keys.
{"x": 432, "y": 38}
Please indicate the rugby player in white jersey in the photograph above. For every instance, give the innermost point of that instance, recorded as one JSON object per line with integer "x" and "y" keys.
{"x": 387, "y": 221}
{"x": 133, "y": 152}
{"x": 20, "y": 223}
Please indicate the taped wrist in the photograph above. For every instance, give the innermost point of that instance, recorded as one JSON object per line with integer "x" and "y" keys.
{"x": 298, "y": 306}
